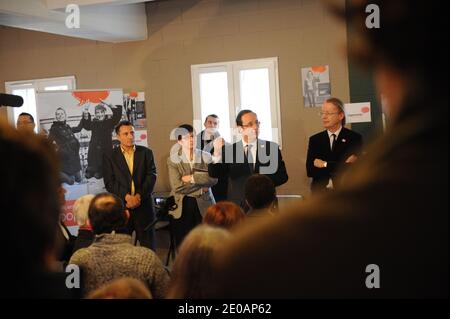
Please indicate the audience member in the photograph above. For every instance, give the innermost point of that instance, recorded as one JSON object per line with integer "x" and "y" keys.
{"x": 122, "y": 288}
{"x": 80, "y": 211}
{"x": 192, "y": 273}
{"x": 112, "y": 254}
{"x": 32, "y": 211}
{"x": 261, "y": 196}
{"x": 224, "y": 214}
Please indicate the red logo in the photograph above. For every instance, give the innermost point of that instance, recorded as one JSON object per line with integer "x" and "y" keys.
{"x": 68, "y": 217}
{"x": 365, "y": 109}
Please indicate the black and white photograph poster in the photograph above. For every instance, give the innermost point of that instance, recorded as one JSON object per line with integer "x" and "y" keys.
{"x": 80, "y": 124}
{"x": 316, "y": 85}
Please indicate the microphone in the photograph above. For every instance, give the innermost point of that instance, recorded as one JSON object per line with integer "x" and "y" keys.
{"x": 10, "y": 100}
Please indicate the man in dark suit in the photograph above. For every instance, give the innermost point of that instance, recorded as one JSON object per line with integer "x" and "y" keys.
{"x": 130, "y": 173}
{"x": 251, "y": 155}
{"x": 331, "y": 149}
{"x": 205, "y": 141}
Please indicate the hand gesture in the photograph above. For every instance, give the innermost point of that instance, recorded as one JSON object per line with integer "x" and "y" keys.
{"x": 319, "y": 163}
{"x": 187, "y": 178}
{"x": 351, "y": 159}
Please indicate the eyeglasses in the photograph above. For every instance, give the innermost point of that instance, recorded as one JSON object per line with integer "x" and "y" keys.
{"x": 251, "y": 124}
{"x": 326, "y": 114}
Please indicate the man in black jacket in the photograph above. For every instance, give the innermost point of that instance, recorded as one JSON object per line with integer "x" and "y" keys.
{"x": 331, "y": 149}
{"x": 251, "y": 155}
{"x": 130, "y": 173}
{"x": 205, "y": 142}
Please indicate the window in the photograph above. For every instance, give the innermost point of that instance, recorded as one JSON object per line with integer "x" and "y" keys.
{"x": 27, "y": 90}
{"x": 226, "y": 88}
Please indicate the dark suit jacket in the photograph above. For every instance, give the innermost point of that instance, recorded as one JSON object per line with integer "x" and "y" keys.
{"x": 235, "y": 167}
{"x": 117, "y": 177}
{"x": 347, "y": 143}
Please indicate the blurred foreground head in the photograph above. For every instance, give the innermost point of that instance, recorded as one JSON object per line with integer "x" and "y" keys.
{"x": 122, "y": 288}
{"x": 392, "y": 208}
{"x": 407, "y": 61}
{"x": 192, "y": 273}
{"x": 30, "y": 205}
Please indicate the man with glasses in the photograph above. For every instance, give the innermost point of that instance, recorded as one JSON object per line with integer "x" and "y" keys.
{"x": 238, "y": 161}
{"x": 331, "y": 149}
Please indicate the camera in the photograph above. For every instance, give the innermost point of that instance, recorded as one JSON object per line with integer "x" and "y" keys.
{"x": 163, "y": 205}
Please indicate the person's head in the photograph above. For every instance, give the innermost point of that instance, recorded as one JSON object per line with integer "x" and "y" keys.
{"x": 224, "y": 214}
{"x": 125, "y": 133}
{"x": 309, "y": 75}
{"x": 248, "y": 125}
{"x": 185, "y": 136}
{"x": 260, "y": 192}
{"x": 122, "y": 288}
{"x": 31, "y": 200}
{"x": 408, "y": 63}
{"x": 25, "y": 122}
{"x": 81, "y": 209}
{"x": 107, "y": 214}
{"x": 60, "y": 114}
{"x": 192, "y": 271}
{"x": 100, "y": 112}
{"x": 332, "y": 114}
{"x": 211, "y": 123}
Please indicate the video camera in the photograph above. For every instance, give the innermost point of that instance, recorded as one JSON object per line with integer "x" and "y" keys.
{"x": 163, "y": 205}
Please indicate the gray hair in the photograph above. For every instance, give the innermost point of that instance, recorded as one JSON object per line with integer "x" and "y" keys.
{"x": 81, "y": 208}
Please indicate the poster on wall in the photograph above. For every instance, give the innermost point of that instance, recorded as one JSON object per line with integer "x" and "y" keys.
{"x": 316, "y": 85}
{"x": 134, "y": 111}
{"x": 81, "y": 125}
{"x": 357, "y": 112}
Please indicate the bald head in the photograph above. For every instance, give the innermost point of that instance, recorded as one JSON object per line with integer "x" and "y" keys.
{"x": 107, "y": 214}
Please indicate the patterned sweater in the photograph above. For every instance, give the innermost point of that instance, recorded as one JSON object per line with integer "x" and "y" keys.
{"x": 112, "y": 256}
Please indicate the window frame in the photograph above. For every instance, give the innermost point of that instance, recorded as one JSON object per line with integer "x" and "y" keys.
{"x": 38, "y": 85}
{"x": 233, "y": 68}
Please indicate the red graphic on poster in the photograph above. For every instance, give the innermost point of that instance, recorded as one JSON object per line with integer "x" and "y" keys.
{"x": 319, "y": 68}
{"x": 365, "y": 109}
{"x": 90, "y": 96}
{"x": 68, "y": 217}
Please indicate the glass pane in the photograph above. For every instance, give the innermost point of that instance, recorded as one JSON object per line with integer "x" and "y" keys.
{"x": 56, "y": 87}
{"x": 214, "y": 100}
{"x": 255, "y": 95}
{"x": 29, "y": 103}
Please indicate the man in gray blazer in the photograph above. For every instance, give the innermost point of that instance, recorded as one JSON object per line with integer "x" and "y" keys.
{"x": 251, "y": 155}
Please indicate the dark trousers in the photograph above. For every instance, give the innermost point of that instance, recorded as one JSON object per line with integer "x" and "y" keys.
{"x": 190, "y": 217}
{"x": 140, "y": 218}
